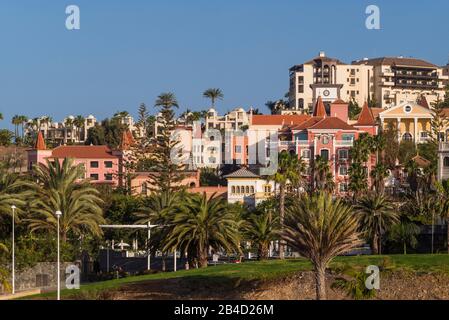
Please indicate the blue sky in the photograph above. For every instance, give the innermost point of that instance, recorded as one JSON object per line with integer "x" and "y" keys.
{"x": 127, "y": 52}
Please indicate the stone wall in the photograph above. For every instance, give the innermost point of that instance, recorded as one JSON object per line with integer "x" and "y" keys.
{"x": 42, "y": 275}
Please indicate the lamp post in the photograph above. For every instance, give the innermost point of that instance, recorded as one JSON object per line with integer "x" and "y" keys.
{"x": 13, "y": 207}
{"x": 58, "y": 215}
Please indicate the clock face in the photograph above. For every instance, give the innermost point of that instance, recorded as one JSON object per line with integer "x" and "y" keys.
{"x": 326, "y": 93}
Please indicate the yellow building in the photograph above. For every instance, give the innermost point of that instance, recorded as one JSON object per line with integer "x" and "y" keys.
{"x": 412, "y": 119}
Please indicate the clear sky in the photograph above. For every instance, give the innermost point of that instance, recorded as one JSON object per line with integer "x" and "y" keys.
{"x": 127, "y": 52}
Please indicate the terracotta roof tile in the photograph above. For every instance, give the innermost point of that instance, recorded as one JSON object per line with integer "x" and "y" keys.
{"x": 83, "y": 152}
{"x": 423, "y": 102}
{"x": 366, "y": 117}
{"x": 320, "y": 110}
{"x": 279, "y": 119}
{"x": 332, "y": 123}
{"x": 40, "y": 142}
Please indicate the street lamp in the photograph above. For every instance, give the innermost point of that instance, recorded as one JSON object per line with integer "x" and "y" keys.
{"x": 13, "y": 207}
{"x": 58, "y": 215}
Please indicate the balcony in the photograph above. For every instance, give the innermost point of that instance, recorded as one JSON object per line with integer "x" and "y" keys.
{"x": 443, "y": 147}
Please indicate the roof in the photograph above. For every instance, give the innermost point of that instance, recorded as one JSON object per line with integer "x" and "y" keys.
{"x": 320, "y": 110}
{"x": 420, "y": 161}
{"x": 242, "y": 173}
{"x": 83, "y": 152}
{"x": 422, "y": 101}
{"x": 332, "y": 123}
{"x": 339, "y": 101}
{"x": 40, "y": 142}
{"x": 376, "y": 111}
{"x": 398, "y": 61}
{"x": 307, "y": 124}
{"x": 279, "y": 119}
{"x": 366, "y": 117}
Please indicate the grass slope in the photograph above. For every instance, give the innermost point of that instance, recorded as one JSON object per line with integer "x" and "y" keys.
{"x": 272, "y": 269}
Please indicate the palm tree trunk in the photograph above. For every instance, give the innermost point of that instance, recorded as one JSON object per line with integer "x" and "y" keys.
{"x": 374, "y": 244}
{"x": 202, "y": 258}
{"x": 282, "y": 216}
{"x": 320, "y": 281}
{"x": 263, "y": 251}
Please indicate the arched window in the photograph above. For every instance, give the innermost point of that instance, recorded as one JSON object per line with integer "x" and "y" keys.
{"x": 238, "y": 189}
{"x": 252, "y": 189}
{"x": 267, "y": 188}
{"x": 407, "y": 137}
{"x": 247, "y": 189}
{"x": 446, "y": 161}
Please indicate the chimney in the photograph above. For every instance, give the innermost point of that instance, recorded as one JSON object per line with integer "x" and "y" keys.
{"x": 340, "y": 109}
{"x": 322, "y": 54}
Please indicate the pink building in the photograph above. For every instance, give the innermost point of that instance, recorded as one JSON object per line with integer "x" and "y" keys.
{"x": 101, "y": 163}
{"x": 330, "y": 137}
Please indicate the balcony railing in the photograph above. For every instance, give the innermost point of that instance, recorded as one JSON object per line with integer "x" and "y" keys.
{"x": 443, "y": 146}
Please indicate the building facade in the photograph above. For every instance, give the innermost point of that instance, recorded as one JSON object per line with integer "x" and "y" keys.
{"x": 388, "y": 80}
{"x": 397, "y": 80}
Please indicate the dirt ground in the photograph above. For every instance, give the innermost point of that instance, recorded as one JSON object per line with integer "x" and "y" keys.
{"x": 393, "y": 286}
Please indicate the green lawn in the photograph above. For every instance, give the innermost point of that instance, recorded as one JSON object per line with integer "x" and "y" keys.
{"x": 273, "y": 269}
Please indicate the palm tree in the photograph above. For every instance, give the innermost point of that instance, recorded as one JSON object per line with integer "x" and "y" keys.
{"x": 287, "y": 172}
{"x": 16, "y": 120}
{"x": 79, "y": 124}
{"x": 213, "y": 94}
{"x": 321, "y": 228}
{"x": 158, "y": 209}
{"x": 405, "y": 233}
{"x": 321, "y": 175}
{"x": 262, "y": 228}
{"x": 376, "y": 215}
{"x": 378, "y": 174}
{"x": 443, "y": 193}
{"x": 59, "y": 188}
{"x": 202, "y": 223}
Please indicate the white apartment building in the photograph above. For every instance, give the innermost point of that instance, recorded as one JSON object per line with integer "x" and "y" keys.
{"x": 233, "y": 120}
{"x": 63, "y": 132}
{"x": 389, "y": 80}
{"x": 399, "y": 79}
{"x": 329, "y": 78}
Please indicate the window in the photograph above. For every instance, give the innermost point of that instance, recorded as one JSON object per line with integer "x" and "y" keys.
{"x": 247, "y": 189}
{"x": 301, "y": 79}
{"x": 267, "y": 188}
{"x": 305, "y": 153}
{"x": 343, "y": 154}
{"x": 252, "y": 189}
{"x": 144, "y": 188}
{"x": 233, "y": 189}
{"x": 94, "y": 164}
{"x": 446, "y": 161}
{"x": 108, "y": 176}
{"x": 343, "y": 187}
{"x": 347, "y": 136}
{"x": 108, "y": 164}
{"x": 301, "y": 103}
{"x": 325, "y": 140}
{"x": 325, "y": 154}
{"x": 408, "y": 109}
{"x": 300, "y": 89}
{"x": 343, "y": 171}
{"x": 238, "y": 149}
{"x": 238, "y": 189}
{"x": 94, "y": 176}
{"x": 424, "y": 135}
{"x": 407, "y": 137}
